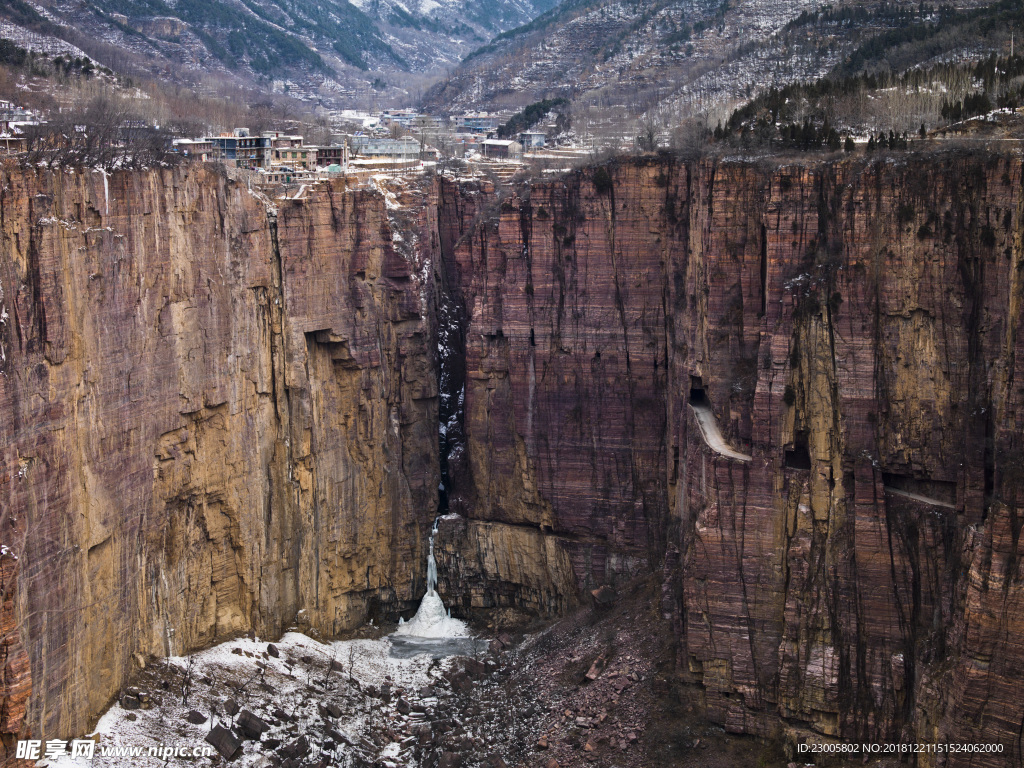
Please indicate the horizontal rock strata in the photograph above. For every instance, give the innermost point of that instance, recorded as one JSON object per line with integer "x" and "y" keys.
{"x": 215, "y": 421}
{"x": 223, "y": 419}
{"x": 853, "y": 328}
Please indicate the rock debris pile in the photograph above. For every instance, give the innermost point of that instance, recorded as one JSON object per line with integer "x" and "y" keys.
{"x": 299, "y": 702}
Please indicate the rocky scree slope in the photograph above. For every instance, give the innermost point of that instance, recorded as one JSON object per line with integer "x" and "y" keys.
{"x": 226, "y": 420}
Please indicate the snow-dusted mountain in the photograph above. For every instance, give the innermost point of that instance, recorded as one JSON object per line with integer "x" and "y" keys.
{"x": 633, "y": 53}
{"x": 494, "y": 16}
{"x": 317, "y": 47}
{"x": 660, "y": 61}
{"x": 617, "y": 61}
{"x": 430, "y": 34}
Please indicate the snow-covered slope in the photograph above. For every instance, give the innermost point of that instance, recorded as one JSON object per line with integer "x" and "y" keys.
{"x": 634, "y": 52}
{"x": 327, "y": 49}
{"x": 431, "y": 34}
{"x": 658, "y": 60}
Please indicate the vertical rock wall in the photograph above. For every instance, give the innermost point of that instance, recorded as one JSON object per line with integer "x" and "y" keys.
{"x": 223, "y": 420}
{"x": 853, "y": 328}
{"x": 563, "y": 288}
{"x": 359, "y": 372}
{"x": 825, "y": 580}
{"x": 214, "y": 421}
{"x": 15, "y": 676}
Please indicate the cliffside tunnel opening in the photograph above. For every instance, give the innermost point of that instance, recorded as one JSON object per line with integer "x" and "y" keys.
{"x": 799, "y": 456}
{"x": 698, "y": 396}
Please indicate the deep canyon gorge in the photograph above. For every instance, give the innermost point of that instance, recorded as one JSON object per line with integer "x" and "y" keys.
{"x": 791, "y": 389}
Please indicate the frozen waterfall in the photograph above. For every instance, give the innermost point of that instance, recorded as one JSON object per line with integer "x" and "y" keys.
{"x": 431, "y": 620}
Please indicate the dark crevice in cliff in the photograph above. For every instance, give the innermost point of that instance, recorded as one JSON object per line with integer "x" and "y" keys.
{"x": 452, "y": 396}
{"x": 970, "y": 263}
{"x": 764, "y": 270}
{"x": 989, "y": 457}
{"x": 37, "y": 335}
{"x": 282, "y": 487}
{"x": 276, "y": 308}
{"x": 451, "y": 362}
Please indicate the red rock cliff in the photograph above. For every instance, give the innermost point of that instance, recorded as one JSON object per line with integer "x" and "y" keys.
{"x": 216, "y": 420}
{"x": 845, "y": 559}
{"x": 792, "y": 389}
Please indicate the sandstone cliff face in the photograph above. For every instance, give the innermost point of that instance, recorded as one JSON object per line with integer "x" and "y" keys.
{"x": 853, "y": 327}
{"x": 824, "y": 581}
{"x": 223, "y": 420}
{"x": 15, "y": 677}
{"x": 565, "y": 370}
{"x": 213, "y": 420}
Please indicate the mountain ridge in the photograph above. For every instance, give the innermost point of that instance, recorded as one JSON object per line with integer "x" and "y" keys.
{"x": 334, "y": 50}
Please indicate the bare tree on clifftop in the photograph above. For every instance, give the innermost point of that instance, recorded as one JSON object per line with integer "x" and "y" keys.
{"x": 105, "y": 131}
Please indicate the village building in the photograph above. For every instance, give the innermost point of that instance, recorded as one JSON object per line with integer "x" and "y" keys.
{"x": 477, "y": 123}
{"x": 244, "y": 150}
{"x": 13, "y": 122}
{"x": 532, "y": 139}
{"x": 334, "y": 154}
{"x": 406, "y": 118}
{"x": 200, "y": 149}
{"x": 501, "y": 149}
{"x": 13, "y": 116}
{"x": 288, "y": 150}
{"x": 382, "y": 148}
{"x": 282, "y": 153}
{"x": 282, "y": 175}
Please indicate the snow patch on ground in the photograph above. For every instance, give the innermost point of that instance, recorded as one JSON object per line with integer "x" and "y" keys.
{"x": 286, "y": 691}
